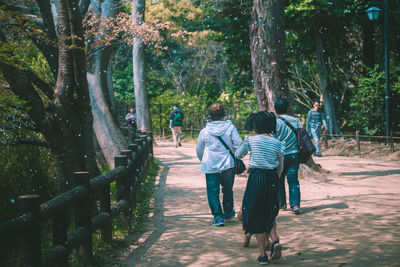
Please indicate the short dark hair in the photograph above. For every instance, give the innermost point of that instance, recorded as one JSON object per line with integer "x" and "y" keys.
{"x": 261, "y": 122}
{"x": 281, "y": 106}
{"x": 216, "y": 112}
{"x": 317, "y": 100}
{"x": 175, "y": 105}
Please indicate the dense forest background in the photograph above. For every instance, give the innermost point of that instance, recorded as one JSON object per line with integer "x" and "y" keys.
{"x": 196, "y": 53}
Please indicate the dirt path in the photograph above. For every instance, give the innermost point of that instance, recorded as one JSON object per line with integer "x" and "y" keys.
{"x": 351, "y": 217}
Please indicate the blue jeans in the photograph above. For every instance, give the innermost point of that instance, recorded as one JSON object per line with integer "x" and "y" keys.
{"x": 315, "y": 133}
{"x": 225, "y": 180}
{"x": 290, "y": 170}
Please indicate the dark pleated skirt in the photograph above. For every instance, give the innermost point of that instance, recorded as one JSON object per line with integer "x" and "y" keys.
{"x": 260, "y": 201}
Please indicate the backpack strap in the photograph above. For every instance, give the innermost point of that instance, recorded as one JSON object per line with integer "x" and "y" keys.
{"x": 288, "y": 124}
{"x": 226, "y": 146}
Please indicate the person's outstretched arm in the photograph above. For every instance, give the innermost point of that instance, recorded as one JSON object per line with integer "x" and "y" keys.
{"x": 243, "y": 149}
{"x": 323, "y": 120}
{"x": 308, "y": 120}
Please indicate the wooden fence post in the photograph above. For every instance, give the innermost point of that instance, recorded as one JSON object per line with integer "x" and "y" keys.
{"x": 358, "y": 141}
{"x": 60, "y": 226}
{"x": 391, "y": 142}
{"x": 163, "y": 132}
{"x": 134, "y": 175}
{"x": 160, "y": 107}
{"x": 326, "y": 140}
{"x": 82, "y": 213}
{"x": 105, "y": 206}
{"x": 191, "y": 131}
{"x": 31, "y": 247}
{"x": 150, "y": 134}
{"x": 123, "y": 185}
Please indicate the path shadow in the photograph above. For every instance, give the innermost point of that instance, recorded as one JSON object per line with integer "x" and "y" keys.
{"x": 340, "y": 205}
{"x": 158, "y": 228}
{"x": 368, "y": 174}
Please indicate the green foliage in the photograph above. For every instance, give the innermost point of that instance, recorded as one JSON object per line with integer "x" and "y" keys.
{"x": 123, "y": 83}
{"x": 25, "y": 170}
{"x": 367, "y": 105}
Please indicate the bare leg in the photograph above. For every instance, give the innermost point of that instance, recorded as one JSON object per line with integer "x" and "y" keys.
{"x": 273, "y": 234}
{"x": 261, "y": 243}
{"x": 246, "y": 241}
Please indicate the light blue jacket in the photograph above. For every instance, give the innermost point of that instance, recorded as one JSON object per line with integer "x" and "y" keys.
{"x": 212, "y": 153}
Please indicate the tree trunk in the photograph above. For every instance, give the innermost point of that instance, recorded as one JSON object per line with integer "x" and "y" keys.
{"x": 267, "y": 46}
{"x": 139, "y": 72}
{"x": 324, "y": 73}
{"x": 66, "y": 123}
{"x": 105, "y": 125}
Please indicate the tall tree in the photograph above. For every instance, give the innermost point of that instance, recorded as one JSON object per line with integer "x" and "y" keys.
{"x": 63, "y": 116}
{"x": 139, "y": 71}
{"x": 325, "y": 82}
{"x": 267, "y": 46}
{"x": 105, "y": 125}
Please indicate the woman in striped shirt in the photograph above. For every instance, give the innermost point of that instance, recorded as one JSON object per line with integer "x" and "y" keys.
{"x": 260, "y": 201}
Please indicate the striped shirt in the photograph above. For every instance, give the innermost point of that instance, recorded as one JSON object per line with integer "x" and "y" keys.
{"x": 265, "y": 152}
{"x": 286, "y": 135}
{"x": 315, "y": 119}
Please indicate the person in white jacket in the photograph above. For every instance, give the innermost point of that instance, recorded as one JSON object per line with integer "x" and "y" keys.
{"x": 217, "y": 164}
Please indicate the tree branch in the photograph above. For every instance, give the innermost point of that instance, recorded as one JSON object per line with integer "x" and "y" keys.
{"x": 27, "y": 141}
{"x": 42, "y": 85}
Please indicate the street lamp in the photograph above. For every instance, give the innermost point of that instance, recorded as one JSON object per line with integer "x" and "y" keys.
{"x": 373, "y": 14}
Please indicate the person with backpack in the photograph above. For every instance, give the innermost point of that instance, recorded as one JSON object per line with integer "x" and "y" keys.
{"x": 217, "y": 163}
{"x": 315, "y": 124}
{"x": 291, "y": 163}
{"x": 176, "y": 118}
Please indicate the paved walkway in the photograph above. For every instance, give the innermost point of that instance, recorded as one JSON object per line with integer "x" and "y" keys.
{"x": 351, "y": 217}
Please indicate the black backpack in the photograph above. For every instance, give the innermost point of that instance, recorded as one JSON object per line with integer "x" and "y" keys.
{"x": 304, "y": 144}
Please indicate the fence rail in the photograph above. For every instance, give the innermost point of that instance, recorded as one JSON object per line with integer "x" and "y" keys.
{"x": 74, "y": 214}
{"x": 391, "y": 139}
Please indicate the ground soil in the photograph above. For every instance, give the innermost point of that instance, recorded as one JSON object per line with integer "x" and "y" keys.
{"x": 350, "y": 214}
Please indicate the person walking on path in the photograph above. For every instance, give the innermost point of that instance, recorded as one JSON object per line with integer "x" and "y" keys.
{"x": 260, "y": 205}
{"x": 176, "y": 118}
{"x": 315, "y": 124}
{"x": 291, "y": 156}
{"x": 217, "y": 164}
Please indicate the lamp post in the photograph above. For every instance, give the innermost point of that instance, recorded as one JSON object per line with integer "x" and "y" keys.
{"x": 373, "y": 14}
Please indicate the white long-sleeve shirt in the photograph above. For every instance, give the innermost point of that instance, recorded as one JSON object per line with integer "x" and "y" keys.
{"x": 212, "y": 153}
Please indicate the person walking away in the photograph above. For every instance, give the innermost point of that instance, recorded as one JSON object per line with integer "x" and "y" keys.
{"x": 130, "y": 120}
{"x": 217, "y": 164}
{"x": 176, "y": 118}
{"x": 260, "y": 205}
{"x": 314, "y": 125}
{"x": 291, "y": 156}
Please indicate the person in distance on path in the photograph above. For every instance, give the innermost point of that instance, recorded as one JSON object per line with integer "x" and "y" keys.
{"x": 217, "y": 163}
{"x": 176, "y": 118}
{"x": 315, "y": 124}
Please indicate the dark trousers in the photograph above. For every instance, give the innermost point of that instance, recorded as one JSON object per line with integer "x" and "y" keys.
{"x": 290, "y": 170}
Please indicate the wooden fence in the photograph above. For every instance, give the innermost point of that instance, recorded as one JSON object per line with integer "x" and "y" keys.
{"x": 73, "y": 214}
{"x": 390, "y": 140}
